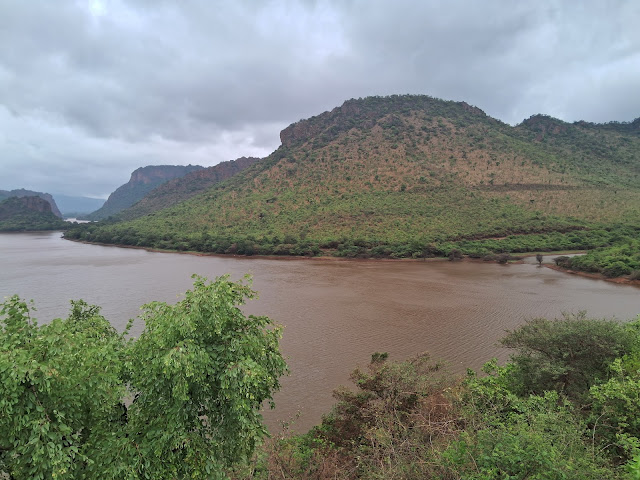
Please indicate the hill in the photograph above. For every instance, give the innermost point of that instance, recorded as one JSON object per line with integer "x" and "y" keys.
{"x": 29, "y": 212}
{"x": 183, "y": 188}
{"x": 410, "y": 176}
{"x": 21, "y": 192}
{"x": 142, "y": 181}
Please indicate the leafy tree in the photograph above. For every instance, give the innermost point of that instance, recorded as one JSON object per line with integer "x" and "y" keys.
{"x": 568, "y": 355}
{"x": 79, "y": 400}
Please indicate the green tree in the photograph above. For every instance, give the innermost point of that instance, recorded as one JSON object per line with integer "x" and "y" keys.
{"x": 567, "y": 355}
{"x": 79, "y": 400}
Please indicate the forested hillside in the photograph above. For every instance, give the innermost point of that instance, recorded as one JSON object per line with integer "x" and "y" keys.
{"x": 21, "y": 192}
{"x": 28, "y": 213}
{"x": 411, "y": 176}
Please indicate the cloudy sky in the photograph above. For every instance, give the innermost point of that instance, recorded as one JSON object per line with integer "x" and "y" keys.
{"x": 92, "y": 90}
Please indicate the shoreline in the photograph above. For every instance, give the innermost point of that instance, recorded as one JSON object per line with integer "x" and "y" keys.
{"x": 596, "y": 276}
{"x": 519, "y": 259}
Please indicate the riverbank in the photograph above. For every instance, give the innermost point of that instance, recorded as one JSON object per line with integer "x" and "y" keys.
{"x": 516, "y": 258}
{"x": 597, "y": 276}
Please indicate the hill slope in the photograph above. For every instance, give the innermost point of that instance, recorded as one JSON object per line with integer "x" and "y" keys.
{"x": 28, "y": 212}
{"x": 21, "y": 192}
{"x": 394, "y": 176}
{"x": 142, "y": 181}
{"x": 183, "y": 188}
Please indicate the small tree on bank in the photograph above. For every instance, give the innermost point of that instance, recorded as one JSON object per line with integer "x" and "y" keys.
{"x": 79, "y": 400}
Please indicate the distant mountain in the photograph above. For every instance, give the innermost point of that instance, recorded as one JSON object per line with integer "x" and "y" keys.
{"x": 183, "y": 188}
{"x": 29, "y": 212}
{"x": 403, "y": 175}
{"x": 73, "y": 206}
{"x": 21, "y": 192}
{"x": 142, "y": 181}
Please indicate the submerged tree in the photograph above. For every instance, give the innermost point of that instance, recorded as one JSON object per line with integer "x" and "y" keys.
{"x": 79, "y": 400}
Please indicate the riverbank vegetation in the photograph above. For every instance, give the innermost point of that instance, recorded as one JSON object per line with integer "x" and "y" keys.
{"x": 620, "y": 260}
{"x": 436, "y": 246}
{"x": 565, "y": 407}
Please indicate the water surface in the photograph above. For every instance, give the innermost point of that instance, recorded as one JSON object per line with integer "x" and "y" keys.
{"x": 335, "y": 313}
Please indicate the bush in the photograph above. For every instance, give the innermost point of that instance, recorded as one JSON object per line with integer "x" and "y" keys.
{"x": 567, "y": 355}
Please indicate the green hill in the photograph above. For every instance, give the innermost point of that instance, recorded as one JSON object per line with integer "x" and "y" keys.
{"x": 183, "y": 188}
{"x": 407, "y": 176}
{"x": 142, "y": 181}
{"x": 21, "y": 192}
{"x": 28, "y": 213}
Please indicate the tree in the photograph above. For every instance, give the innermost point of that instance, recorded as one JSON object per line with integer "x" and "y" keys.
{"x": 79, "y": 400}
{"x": 567, "y": 355}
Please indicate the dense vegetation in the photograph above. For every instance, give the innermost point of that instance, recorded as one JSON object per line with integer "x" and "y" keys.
{"x": 21, "y": 192}
{"x": 616, "y": 261}
{"x": 81, "y": 401}
{"x": 565, "y": 407}
{"x": 28, "y": 213}
{"x": 406, "y": 176}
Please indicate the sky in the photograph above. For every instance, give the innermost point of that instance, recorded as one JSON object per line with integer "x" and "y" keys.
{"x": 90, "y": 90}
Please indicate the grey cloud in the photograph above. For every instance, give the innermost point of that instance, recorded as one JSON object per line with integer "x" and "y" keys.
{"x": 108, "y": 86}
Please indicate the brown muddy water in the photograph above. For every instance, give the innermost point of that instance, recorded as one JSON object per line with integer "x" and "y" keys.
{"x": 335, "y": 313}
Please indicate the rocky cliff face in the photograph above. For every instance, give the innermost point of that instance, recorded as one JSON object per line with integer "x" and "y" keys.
{"x": 28, "y": 213}
{"x": 21, "y": 192}
{"x": 16, "y": 205}
{"x": 142, "y": 181}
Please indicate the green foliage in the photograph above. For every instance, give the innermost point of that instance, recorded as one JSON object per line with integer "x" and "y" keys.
{"x": 615, "y": 261}
{"x": 60, "y": 388}
{"x": 16, "y": 216}
{"x": 616, "y": 403}
{"x": 181, "y": 401}
{"x": 568, "y": 355}
{"x": 539, "y": 438}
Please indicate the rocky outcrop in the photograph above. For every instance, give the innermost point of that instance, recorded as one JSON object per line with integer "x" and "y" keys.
{"x": 28, "y": 213}
{"x": 21, "y": 192}
{"x": 364, "y": 113}
{"x": 15, "y": 205}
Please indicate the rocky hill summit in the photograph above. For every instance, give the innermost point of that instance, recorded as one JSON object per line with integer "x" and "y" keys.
{"x": 28, "y": 212}
{"x": 21, "y": 192}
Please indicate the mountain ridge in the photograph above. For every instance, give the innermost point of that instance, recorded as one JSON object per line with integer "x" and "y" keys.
{"x": 403, "y": 172}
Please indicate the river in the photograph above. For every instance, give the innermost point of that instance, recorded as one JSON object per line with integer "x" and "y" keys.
{"x": 335, "y": 312}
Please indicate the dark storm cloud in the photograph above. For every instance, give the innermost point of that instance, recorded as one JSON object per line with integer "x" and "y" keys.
{"x": 91, "y": 90}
